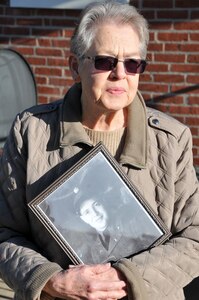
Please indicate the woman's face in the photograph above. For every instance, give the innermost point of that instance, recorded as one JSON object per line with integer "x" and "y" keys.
{"x": 94, "y": 214}
{"x": 104, "y": 91}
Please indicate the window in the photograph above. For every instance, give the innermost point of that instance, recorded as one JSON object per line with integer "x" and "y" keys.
{"x": 56, "y": 4}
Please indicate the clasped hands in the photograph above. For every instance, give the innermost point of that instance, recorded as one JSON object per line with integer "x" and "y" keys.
{"x": 92, "y": 282}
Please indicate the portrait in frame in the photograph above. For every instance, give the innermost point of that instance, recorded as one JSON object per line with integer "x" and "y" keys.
{"x": 96, "y": 214}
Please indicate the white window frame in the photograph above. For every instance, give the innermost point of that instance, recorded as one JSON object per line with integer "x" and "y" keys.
{"x": 55, "y": 4}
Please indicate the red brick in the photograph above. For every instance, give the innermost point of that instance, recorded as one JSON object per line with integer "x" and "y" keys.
{"x": 193, "y": 79}
{"x": 188, "y": 68}
{"x": 60, "y": 43}
{"x": 172, "y": 36}
{"x": 184, "y": 110}
{"x": 195, "y": 14}
{"x": 187, "y": 25}
{"x": 23, "y": 41}
{"x": 189, "y": 47}
{"x": 172, "y": 47}
{"x": 147, "y": 96}
{"x": 16, "y": 31}
{"x": 43, "y": 99}
{"x": 57, "y": 62}
{"x": 44, "y": 42}
{"x": 72, "y": 13}
{"x": 47, "y": 22}
{"x": 29, "y": 22}
{"x": 69, "y": 83}
{"x": 168, "y": 78}
{"x": 161, "y": 107}
{"x": 167, "y": 99}
{"x": 163, "y": 88}
{"x": 46, "y": 32}
{"x": 145, "y": 77}
{"x": 149, "y": 57}
{"x": 179, "y": 118}
{"x": 55, "y": 97}
{"x": 67, "y": 53}
{"x": 182, "y": 89}
{"x": 6, "y": 21}
{"x": 185, "y": 3}
{"x": 63, "y": 23}
{"x": 196, "y": 142}
{"x": 182, "y": 47}
{"x": 4, "y": 40}
{"x": 148, "y": 14}
{"x": 50, "y": 12}
{"x": 154, "y": 25}
{"x": 19, "y": 11}
{"x": 151, "y": 36}
{"x": 24, "y": 50}
{"x": 173, "y": 99}
{"x": 155, "y": 47}
{"x": 41, "y": 80}
{"x": 68, "y": 32}
{"x": 151, "y": 67}
{"x": 193, "y": 58}
{"x": 48, "y": 90}
{"x": 172, "y": 14}
{"x": 57, "y": 81}
{"x": 48, "y": 52}
{"x": 67, "y": 73}
{"x": 36, "y": 60}
{"x": 48, "y": 71}
{"x": 194, "y": 36}
{"x": 193, "y": 100}
{"x": 194, "y": 131}
{"x": 158, "y": 3}
{"x": 169, "y": 57}
{"x": 196, "y": 161}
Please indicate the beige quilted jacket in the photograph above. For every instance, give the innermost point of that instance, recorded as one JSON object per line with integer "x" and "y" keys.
{"x": 45, "y": 141}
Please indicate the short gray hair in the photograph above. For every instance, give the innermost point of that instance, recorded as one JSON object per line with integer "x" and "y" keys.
{"x": 97, "y": 13}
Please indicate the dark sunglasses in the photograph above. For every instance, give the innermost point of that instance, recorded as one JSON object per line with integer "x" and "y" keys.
{"x": 108, "y": 63}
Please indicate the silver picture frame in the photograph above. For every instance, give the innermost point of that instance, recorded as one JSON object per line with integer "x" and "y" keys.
{"x": 96, "y": 214}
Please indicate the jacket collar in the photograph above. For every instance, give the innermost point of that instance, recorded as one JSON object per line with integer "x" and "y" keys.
{"x": 72, "y": 132}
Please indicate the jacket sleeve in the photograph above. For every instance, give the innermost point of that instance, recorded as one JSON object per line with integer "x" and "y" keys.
{"x": 22, "y": 267}
{"x": 168, "y": 268}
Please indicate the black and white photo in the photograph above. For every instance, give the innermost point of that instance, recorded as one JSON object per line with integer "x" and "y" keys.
{"x": 96, "y": 214}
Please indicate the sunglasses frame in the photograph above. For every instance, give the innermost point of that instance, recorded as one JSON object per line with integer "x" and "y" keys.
{"x": 141, "y": 63}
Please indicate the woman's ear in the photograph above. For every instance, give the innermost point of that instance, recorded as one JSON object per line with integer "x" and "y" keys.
{"x": 73, "y": 65}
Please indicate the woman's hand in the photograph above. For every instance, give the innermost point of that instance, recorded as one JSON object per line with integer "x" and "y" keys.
{"x": 91, "y": 282}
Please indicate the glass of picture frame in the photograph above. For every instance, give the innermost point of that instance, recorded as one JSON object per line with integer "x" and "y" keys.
{"x": 96, "y": 214}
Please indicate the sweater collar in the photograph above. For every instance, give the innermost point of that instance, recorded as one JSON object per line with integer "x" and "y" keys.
{"x": 72, "y": 131}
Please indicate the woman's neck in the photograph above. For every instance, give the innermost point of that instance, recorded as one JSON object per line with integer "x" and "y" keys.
{"x": 105, "y": 121}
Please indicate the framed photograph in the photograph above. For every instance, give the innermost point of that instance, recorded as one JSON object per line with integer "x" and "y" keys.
{"x": 96, "y": 214}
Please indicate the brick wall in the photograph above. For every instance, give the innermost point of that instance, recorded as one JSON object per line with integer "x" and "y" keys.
{"x": 171, "y": 82}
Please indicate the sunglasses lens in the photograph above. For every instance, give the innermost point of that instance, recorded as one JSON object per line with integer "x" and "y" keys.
{"x": 104, "y": 63}
{"x": 135, "y": 66}
{"x": 108, "y": 63}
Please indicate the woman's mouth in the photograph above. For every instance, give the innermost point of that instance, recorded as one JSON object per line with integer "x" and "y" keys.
{"x": 116, "y": 91}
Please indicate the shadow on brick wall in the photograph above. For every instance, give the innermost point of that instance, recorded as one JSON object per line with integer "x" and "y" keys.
{"x": 173, "y": 94}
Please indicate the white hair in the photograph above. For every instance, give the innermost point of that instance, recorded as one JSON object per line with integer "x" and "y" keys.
{"x": 108, "y": 11}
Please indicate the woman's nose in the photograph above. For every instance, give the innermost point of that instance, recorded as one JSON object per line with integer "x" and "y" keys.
{"x": 119, "y": 71}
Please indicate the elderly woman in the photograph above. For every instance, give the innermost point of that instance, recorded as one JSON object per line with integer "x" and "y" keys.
{"x": 108, "y": 52}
